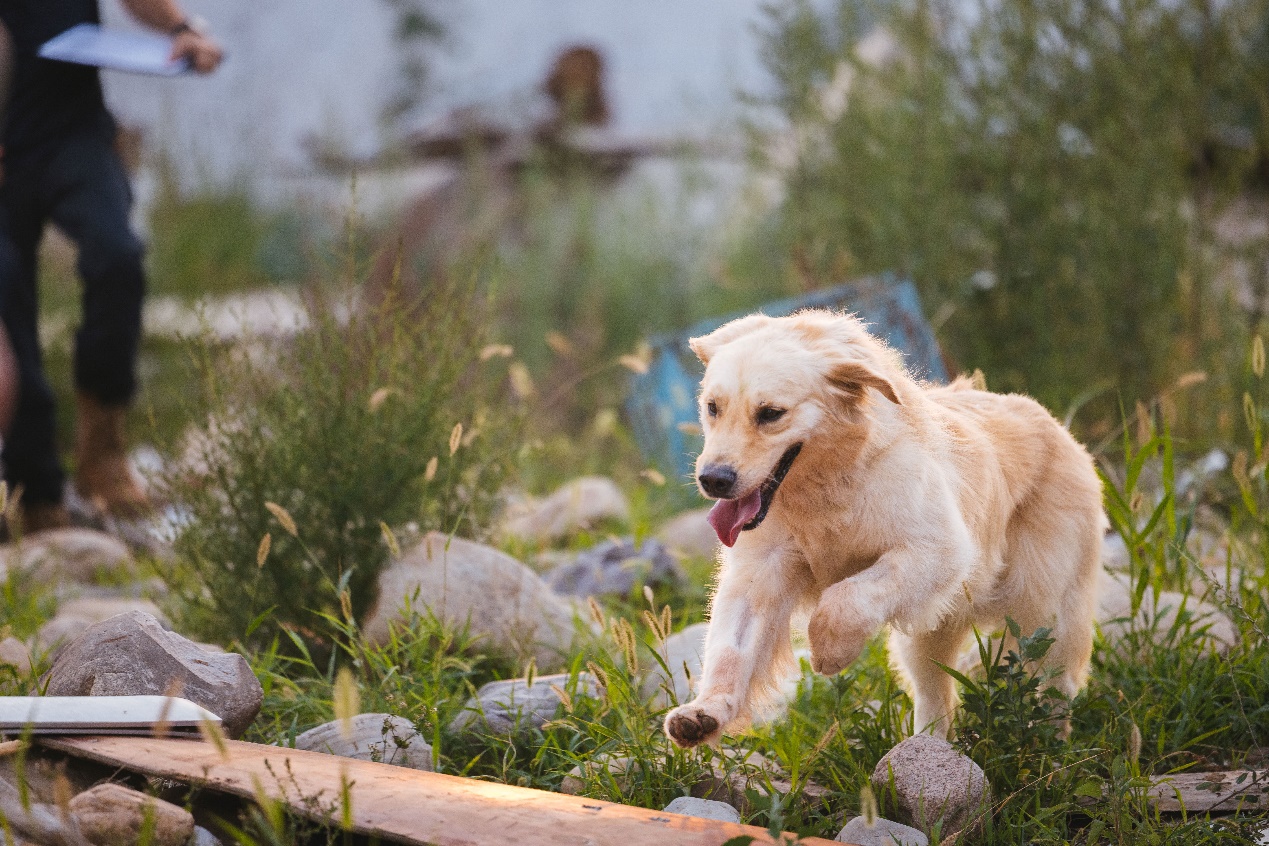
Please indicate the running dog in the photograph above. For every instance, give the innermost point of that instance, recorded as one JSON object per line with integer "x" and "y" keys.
{"x": 847, "y": 490}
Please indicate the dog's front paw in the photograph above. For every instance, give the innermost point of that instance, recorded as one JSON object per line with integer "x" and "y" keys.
{"x": 834, "y": 644}
{"x": 691, "y": 725}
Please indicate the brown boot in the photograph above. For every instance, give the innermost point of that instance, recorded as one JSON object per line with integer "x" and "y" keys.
{"x": 103, "y": 475}
{"x": 42, "y": 516}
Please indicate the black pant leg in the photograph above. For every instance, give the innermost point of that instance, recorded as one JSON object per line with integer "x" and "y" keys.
{"x": 91, "y": 201}
{"x": 30, "y": 449}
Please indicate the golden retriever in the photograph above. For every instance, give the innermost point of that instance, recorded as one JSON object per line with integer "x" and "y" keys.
{"x": 850, "y": 491}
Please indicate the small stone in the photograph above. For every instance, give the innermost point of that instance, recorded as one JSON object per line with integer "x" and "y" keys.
{"x": 371, "y": 737}
{"x": 132, "y": 655}
{"x": 706, "y": 809}
{"x": 203, "y": 837}
{"x": 882, "y": 832}
{"x": 577, "y": 505}
{"x": 114, "y": 815}
{"x": 13, "y": 653}
{"x": 465, "y": 584}
{"x": 620, "y": 767}
{"x": 615, "y": 568}
{"x": 683, "y": 652}
{"x": 75, "y": 555}
{"x": 504, "y": 707}
{"x": 690, "y": 535}
{"x": 931, "y": 782}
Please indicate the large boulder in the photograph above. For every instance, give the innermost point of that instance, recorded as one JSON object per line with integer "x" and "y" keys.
{"x": 690, "y": 535}
{"x": 580, "y": 504}
{"x": 132, "y": 655}
{"x": 466, "y": 584}
{"x": 924, "y": 782}
{"x": 615, "y": 568}
{"x": 683, "y": 653}
{"x": 76, "y": 616}
{"x": 371, "y": 737}
{"x": 114, "y": 815}
{"x": 504, "y": 707}
{"x": 1158, "y": 613}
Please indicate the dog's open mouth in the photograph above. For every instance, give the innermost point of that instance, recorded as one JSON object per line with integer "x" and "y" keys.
{"x": 730, "y": 517}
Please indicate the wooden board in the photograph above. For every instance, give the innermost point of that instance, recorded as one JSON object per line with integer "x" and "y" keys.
{"x": 403, "y": 805}
{"x": 1237, "y": 790}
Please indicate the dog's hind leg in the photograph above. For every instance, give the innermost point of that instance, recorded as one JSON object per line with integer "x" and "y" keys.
{"x": 916, "y": 657}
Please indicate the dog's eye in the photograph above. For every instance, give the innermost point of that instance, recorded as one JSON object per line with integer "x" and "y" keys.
{"x": 712, "y": 408}
{"x": 769, "y": 414}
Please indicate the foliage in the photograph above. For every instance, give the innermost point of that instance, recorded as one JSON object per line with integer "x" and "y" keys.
{"x": 1056, "y": 175}
{"x": 375, "y": 416}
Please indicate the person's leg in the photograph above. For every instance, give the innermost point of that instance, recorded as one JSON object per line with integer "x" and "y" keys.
{"x": 30, "y": 452}
{"x": 92, "y": 203}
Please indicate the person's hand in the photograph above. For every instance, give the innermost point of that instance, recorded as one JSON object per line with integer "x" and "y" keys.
{"x": 203, "y": 53}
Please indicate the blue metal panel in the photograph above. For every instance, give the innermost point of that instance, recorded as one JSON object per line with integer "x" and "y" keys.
{"x": 661, "y": 407}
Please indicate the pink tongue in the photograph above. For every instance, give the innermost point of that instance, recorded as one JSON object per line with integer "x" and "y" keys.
{"x": 729, "y": 516}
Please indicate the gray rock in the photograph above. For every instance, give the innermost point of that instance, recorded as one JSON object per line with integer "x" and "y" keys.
{"x": 203, "y": 837}
{"x": 466, "y": 584}
{"x": 74, "y": 555}
{"x": 615, "y": 568}
{"x": 931, "y": 782}
{"x": 504, "y": 707}
{"x": 131, "y": 655}
{"x": 706, "y": 809}
{"x": 75, "y": 617}
{"x": 683, "y": 652}
{"x": 881, "y": 833}
{"x": 13, "y": 653}
{"x": 111, "y": 814}
{"x": 371, "y": 737}
{"x": 1158, "y": 612}
{"x": 690, "y": 535}
{"x": 579, "y": 504}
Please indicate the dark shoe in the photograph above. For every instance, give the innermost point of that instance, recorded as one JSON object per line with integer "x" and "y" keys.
{"x": 43, "y": 516}
{"x": 103, "y": 475}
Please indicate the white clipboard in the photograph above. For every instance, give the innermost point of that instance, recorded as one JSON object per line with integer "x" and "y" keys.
{"x": 132, "y": 52}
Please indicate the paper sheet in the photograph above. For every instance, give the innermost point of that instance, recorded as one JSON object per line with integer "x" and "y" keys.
{"x": 133, "y": 52}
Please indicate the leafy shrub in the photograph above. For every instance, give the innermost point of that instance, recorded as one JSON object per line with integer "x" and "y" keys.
{"x": 1055, "y": 175}
{"x": 374, "y": 416}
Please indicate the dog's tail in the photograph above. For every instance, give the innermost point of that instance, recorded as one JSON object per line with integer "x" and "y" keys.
{"x": 975, "y": 381}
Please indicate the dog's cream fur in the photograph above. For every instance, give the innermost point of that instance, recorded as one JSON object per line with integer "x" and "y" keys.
{"x": 930, "y": 509}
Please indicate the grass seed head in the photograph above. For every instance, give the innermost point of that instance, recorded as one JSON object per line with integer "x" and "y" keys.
{"x": 455, "y": 438}
{"x": 390, "y": 538}
{"x": 1258, "y": 356}
{"x": 347, "y": 701}
{"x": 429, "y": 473}
{"x": 284, "y": 517}
{"x": 868, "y": 805}
{"x": 262, "y": 553}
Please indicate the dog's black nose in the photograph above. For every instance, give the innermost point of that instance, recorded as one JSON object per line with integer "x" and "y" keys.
{"x": 717, "y": 480}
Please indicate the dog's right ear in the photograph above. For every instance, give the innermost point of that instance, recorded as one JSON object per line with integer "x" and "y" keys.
{"x": 706, "y": 345}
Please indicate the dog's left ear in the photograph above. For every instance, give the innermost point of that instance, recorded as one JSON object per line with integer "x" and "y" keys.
{"x": 852, "y": 378}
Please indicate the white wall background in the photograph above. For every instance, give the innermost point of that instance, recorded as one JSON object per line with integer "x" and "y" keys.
{"x": 326, "y": 67}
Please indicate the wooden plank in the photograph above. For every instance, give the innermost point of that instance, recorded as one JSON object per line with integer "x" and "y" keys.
{"x": 403, "y": 805}
{"x": 1237, "y": 790}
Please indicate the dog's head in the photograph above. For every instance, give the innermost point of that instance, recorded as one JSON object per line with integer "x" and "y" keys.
{"x": 771, "y": 384}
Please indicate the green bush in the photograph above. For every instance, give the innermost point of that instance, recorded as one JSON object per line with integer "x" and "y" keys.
{"x": 374, "y": 416}
{"x": 1052, "y": 173}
